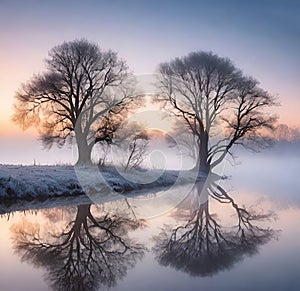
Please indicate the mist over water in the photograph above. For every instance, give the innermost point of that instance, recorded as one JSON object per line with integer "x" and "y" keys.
{"x": 272, "y": 172}
{"x": 271, "y": 176}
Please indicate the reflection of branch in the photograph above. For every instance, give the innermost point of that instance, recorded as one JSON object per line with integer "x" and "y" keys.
{"x": 202, "y": 246}
{"x": 245, "y": 218}
{"x": 90, "y": 251}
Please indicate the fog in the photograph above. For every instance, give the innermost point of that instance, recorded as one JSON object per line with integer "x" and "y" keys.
{"x": 28, "y": 151}
{"x": 273, "y": 172}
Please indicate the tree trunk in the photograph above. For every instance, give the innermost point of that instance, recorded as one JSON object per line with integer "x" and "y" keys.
{"x": 84, "y": 150}
{"x": 83, "y": 212}
{"x": 203, "y": 164}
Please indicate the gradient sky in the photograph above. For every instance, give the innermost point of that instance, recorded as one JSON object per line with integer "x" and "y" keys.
{"x": 261, "y": 37}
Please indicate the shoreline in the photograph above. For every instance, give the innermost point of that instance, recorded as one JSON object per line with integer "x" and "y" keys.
{"x": 27, "y": 184}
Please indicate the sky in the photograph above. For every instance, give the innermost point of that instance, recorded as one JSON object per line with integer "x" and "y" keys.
{"x": 261, "y": 37}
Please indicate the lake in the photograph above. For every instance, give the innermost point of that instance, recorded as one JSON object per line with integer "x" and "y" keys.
{"x": 241, "y": 233}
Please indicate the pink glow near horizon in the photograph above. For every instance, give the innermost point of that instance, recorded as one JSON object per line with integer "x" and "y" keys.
{"x": 150, "y": 34}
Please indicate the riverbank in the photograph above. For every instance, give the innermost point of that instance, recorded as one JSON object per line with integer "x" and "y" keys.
{"x": 28, "y": 183}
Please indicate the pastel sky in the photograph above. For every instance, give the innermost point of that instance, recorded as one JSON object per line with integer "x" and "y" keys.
{"x": 261, "y": 37}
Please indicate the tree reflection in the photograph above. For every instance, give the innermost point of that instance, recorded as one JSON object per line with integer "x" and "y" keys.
{"x": 92, "y": 250}
{"x": 202, "y": 246}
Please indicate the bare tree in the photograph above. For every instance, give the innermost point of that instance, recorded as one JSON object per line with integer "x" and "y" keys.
{"x": 283, "y": 132}
{"x": 110, "y": 124}
{"x": 130, "y": 145}
{"x": 92, "y": 250}
{"x": 201, "y": 245}
{"x": 210, "y": 94}
{"x": 137, "y": 151}
{"x": 81, "y": 85}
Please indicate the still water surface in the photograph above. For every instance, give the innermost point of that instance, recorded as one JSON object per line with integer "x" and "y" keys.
{"x": 251, "y": 243}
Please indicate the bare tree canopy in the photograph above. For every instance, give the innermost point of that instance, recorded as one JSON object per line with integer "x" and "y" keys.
{"x": 81, "y": 85}
{"x": 210, "y": 94}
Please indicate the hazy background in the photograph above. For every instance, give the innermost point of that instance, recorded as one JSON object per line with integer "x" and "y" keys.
{"x": 261, "y": 37}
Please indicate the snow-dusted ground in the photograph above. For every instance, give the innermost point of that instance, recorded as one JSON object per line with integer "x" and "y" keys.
{"x": 37, "y": 181}
{"x": 41, "y": 182}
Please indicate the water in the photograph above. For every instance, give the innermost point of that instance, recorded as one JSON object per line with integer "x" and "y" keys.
{"x": 88, "y": 248}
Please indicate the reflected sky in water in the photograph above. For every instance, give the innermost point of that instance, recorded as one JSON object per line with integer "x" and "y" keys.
{"x": 249, "y": 241}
